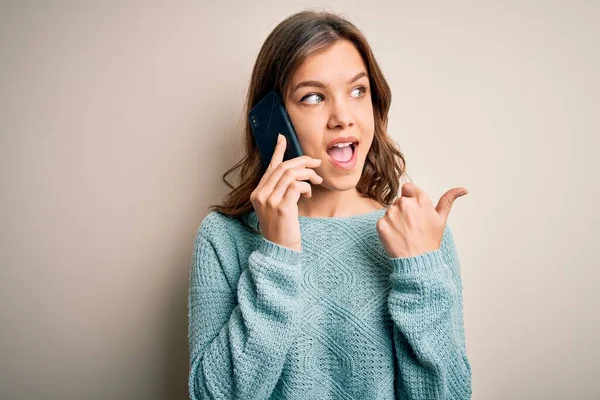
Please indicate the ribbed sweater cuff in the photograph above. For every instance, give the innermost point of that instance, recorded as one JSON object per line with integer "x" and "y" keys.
{"x": 279, "y": 253}
{"x": 421, "y": 263}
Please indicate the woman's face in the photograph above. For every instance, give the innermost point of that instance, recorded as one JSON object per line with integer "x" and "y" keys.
{"x": 330, "y": 98}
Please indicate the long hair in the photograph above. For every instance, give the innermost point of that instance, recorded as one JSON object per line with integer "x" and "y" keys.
{"x": 287, "y": 46}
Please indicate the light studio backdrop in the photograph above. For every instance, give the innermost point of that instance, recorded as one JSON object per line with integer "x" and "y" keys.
{"x": 118, "y": 118}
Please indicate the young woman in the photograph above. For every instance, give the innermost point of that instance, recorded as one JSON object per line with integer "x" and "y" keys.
{"x": 314, "y": 279}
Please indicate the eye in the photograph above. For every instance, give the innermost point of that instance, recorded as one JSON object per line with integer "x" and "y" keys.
{"x": 312, "y": 95}
{"x": 362, "y": 90}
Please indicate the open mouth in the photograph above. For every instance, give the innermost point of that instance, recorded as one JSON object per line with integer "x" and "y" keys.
{"x": 343, "y": 155}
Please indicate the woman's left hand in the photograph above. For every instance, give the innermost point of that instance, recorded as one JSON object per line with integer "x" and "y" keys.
{"x": 411, "y": 225}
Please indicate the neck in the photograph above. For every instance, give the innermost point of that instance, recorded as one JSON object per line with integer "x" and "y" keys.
{"x": 335, "y": 203}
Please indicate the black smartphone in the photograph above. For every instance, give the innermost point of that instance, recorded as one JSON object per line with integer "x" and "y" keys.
{"x": 269, "y": 118}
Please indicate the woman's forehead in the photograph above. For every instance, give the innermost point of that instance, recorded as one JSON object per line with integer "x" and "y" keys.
{"x": 336, "y": 64}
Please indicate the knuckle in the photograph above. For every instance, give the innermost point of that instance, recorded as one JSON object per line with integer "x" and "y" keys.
{"x": 260, "y": 200}
{"x": 288, "y": 174}
{"x": 271, "y": 203}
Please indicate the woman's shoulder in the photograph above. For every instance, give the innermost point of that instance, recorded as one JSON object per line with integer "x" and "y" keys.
{"x": 217, "y": 227}
{"x": 215, "y": 218}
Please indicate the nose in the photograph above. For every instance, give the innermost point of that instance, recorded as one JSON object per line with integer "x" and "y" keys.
{"x": 340, "y": 114}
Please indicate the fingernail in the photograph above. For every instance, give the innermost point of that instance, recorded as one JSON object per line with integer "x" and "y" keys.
{"x": 279, "y": 137}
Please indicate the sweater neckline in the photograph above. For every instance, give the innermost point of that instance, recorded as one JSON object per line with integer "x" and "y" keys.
{"x": 342, "y": 218}
{"x": 253, "y": 218}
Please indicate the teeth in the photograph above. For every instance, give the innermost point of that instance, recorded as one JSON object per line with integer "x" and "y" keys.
{"x": 340, "y": 145}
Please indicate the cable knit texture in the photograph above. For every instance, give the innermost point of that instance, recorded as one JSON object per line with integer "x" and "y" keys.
{"x": 338, "y": 320}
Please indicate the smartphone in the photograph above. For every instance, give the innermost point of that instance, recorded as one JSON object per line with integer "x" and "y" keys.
{"x": 269, "y": 118}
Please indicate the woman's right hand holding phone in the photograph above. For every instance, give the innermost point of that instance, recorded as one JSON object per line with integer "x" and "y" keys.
{"x": 275, "y": 199}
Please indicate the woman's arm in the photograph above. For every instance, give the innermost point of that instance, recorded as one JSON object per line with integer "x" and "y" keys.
{"x": 239, "y": 338}
{"x": 425, "y": 303}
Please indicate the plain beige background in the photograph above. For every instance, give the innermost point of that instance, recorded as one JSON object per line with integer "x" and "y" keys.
{"x": 117, "y": 120}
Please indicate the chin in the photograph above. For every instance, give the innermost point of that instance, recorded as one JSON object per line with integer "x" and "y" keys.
{"x": 341, "y": 183}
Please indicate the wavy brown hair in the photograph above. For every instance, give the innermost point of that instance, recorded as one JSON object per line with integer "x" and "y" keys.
{"x": 285, "y": 49}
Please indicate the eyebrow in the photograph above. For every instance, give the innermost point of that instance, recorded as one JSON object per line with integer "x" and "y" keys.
{"x": 322, "y": 85}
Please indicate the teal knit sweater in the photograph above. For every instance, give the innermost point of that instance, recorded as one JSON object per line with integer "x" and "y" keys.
{"x": 338, "y": 320}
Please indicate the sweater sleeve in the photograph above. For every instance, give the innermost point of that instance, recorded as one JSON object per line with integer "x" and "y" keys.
{"x": 425, "y": 303}
{"x": 239, "y": 337}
